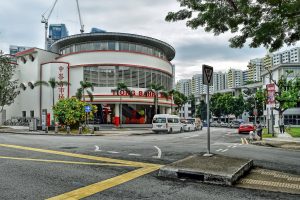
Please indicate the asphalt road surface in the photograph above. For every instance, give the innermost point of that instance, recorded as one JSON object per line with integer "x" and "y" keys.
{"x": 125, "y": 167}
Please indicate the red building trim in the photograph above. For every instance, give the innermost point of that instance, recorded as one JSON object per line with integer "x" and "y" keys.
{"x": 25, "y": 52}
{"x": 120, "y": 64}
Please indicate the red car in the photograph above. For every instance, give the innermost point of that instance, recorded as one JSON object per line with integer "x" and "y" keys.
{"x": 246, "y": 128}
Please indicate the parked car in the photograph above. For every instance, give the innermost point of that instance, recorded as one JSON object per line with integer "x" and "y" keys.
{"x": 213, "y": 124}
{"x": 188, "y": 125}
{"x": 197, "y": 122}
{"x": 246, "y": 128}
{"x": 223, "y": 124}
{"x": 166, "y": 123}
{"x": 234, "y": 124}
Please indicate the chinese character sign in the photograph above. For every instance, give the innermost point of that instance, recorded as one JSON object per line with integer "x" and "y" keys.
{"x": 61, "y": 89}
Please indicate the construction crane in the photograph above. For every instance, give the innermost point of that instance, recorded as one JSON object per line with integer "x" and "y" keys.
{"x": 46, "y": 19}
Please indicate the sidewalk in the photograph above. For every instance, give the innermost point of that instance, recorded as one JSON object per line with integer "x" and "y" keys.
{"x": 101, "y": 132}
{"x": 281, "y": 141}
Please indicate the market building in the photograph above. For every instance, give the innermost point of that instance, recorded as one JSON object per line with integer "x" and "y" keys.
{"x": 104, "y": 59}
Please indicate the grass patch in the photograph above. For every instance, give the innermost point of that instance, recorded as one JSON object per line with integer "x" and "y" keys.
{"x": 265, "y": 134}
{"x": 294, "y": 131}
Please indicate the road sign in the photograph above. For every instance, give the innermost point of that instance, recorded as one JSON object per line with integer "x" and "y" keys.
{"x": 271, "y": 94}
{"x": 207, "y": 75}
{"x": 87, "y": 109}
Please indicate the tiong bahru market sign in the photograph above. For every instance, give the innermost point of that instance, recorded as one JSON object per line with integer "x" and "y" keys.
{"x": 139, "y": 93}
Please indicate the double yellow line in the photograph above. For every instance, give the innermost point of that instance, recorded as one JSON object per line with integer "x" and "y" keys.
{"x": 244, "y": 141}
{"x": 143, "y": 168}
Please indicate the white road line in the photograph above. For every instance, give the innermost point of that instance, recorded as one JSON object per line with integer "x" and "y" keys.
{"x": 191, "y": 136}
{"x": 219, "y": 150}
{"x": 97, "y": 148}
{"x": 234, "y": 147}
{"x": 229, "y": 146}
{"x": 112, "y": 152}
{"x": 134, "y": 154}
{"x": 225, "y": 150}
{"x": 158, "y": 154}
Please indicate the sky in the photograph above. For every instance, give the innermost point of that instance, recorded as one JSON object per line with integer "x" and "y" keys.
{"x": 20, "y": 24}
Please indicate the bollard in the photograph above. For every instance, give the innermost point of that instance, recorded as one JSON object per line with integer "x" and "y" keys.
{"x": 92, "y": 130}
{"x": 68, "y": 130}
{"x": 46, "y": 129}
{"x": 80, "y": 130}
{"x": 56, "y": 129}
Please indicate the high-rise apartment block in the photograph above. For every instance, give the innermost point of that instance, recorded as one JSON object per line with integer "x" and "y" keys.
{"x": 255, "y": 68}
{"x": 234, "y": 78}
{"x": 267, "y": 61}
{"x": 219, "y": 81}
{"x": 184, "y": 86}
{"x": 288, "y": 56}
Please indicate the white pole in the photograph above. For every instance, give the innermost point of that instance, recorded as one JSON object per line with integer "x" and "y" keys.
{"x": 207, "y": 120}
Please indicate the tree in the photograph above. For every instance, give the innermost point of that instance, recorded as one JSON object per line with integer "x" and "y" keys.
{"x": 238, "y": 106}
{"x": 254, "y": 99}
{"x": 171, "y": 94}
{"x": 71, "y": 112}
{"x": 180, "y": 99}
{"x": 52, "y": 83}
{"x": 155, "y": 90}
{"x": 271, "y": 23}
{"x": 193, "y": 102}
{"x": 8, "y": 85}
{"x": 215, "y": 106}
{"x": 84, "y": 87}
{"x": 287, "y": 94}
{"x": 201, "y": 110}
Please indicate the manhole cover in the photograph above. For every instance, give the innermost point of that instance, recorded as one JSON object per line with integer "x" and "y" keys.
{"x": 68, "y": 147}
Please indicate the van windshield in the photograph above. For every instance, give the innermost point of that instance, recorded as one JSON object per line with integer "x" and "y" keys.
{"x": 159, "y": 120}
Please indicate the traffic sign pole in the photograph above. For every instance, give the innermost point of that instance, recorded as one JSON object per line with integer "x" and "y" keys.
{"x": 207, "y": 79}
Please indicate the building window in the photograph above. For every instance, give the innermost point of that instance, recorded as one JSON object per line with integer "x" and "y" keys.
{"x": 32, "y": 114}
{"x": 23, "y": 113}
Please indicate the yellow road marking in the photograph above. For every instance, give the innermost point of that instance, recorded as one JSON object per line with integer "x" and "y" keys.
{"x": 246, "y": 141}
{"x": 96, "y": 187}
{"x": 103, "y": 159}
{"x": 103, "y": 185}
{"x": 64, "y": 162}
{"x": 242, "y": 140}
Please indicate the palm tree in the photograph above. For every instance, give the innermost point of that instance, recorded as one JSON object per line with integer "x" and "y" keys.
{"x": 171, "y": 94}
{"x": 53, "y": 84}
{"x": 155, "y": 89}
{"x": 122, "y": 87}
{"x": 84, "y": 86}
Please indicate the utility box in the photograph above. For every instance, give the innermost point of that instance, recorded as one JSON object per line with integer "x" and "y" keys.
{"x": 33, "y": 124}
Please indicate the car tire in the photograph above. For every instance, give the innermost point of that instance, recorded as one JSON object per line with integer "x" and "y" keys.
{"x": 170, "y": 131}
{"x": 181, "y": 130}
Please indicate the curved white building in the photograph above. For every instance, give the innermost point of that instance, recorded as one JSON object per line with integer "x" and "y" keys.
{"x": 104, "y": 59}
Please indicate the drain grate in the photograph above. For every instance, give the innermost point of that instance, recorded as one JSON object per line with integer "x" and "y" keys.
{"x": 198, "y": 177}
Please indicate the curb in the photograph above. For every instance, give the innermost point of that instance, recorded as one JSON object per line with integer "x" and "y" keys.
{"x": 68, "y": 135}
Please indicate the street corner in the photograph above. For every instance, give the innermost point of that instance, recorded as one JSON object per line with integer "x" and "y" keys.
{"x": 134, "y": 169}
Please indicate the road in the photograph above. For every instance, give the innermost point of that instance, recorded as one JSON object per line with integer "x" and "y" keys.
{"x": 125, "y": 166}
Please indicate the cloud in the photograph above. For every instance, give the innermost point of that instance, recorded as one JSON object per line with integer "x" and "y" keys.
{"x": 20, "y": 25}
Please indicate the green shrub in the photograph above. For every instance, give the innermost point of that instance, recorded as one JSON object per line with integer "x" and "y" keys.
{"x": 71, "y": 112}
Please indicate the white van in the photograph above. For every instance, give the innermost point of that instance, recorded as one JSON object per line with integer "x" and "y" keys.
{"x": 166, "y": 123}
